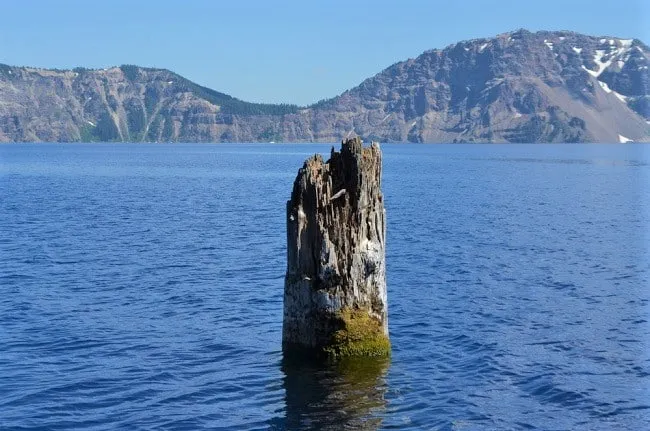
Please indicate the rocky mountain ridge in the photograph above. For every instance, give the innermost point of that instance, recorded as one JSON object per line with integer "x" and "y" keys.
{"x": 515, "y": 87}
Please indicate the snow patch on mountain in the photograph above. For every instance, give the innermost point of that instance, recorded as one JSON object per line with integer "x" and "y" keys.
{"x": 620, "y": 96}
{"x": 620, "y": 54}
{"x": 605, "y": 87}
{"x": 626, "y": 42}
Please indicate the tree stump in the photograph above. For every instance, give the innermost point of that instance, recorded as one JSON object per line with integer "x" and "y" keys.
{"x": 335, "y": 300}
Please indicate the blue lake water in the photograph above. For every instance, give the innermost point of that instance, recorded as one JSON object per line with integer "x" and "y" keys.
{"x": 141, "y": 288}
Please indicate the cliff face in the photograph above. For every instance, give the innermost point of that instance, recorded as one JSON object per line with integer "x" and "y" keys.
{"x": 515, "y": 87}
{"x": 126, "y": 103}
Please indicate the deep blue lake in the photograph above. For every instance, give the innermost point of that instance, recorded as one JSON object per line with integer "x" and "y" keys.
{"x": 141, "y": 288}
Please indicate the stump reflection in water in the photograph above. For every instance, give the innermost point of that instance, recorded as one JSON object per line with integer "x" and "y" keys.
{"x": 347, "y": 394}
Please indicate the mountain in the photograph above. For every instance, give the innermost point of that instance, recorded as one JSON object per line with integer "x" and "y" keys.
{"x": 126, "y": 103}
{"x": 515, "y": 87}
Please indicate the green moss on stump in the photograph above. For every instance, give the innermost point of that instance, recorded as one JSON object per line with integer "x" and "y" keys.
{"x": 360, "y": 335}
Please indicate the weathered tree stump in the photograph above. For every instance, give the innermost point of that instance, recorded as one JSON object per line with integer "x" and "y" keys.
{"x": 335, "y": 288}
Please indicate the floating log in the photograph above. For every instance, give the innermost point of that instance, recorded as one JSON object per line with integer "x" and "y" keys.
{"x": 335, "y": 300}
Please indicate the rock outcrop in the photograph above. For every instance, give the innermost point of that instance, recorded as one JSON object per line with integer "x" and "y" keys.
{"x": 335, "y": 287}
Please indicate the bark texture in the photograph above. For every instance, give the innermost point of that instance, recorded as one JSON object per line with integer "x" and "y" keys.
{"x": 335, "y": 286}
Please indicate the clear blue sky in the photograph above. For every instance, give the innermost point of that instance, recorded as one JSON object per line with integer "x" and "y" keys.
{"x": 281, "y": 50}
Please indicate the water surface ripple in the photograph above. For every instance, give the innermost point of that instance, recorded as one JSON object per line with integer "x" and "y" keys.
{"x": 141, "y": 288}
